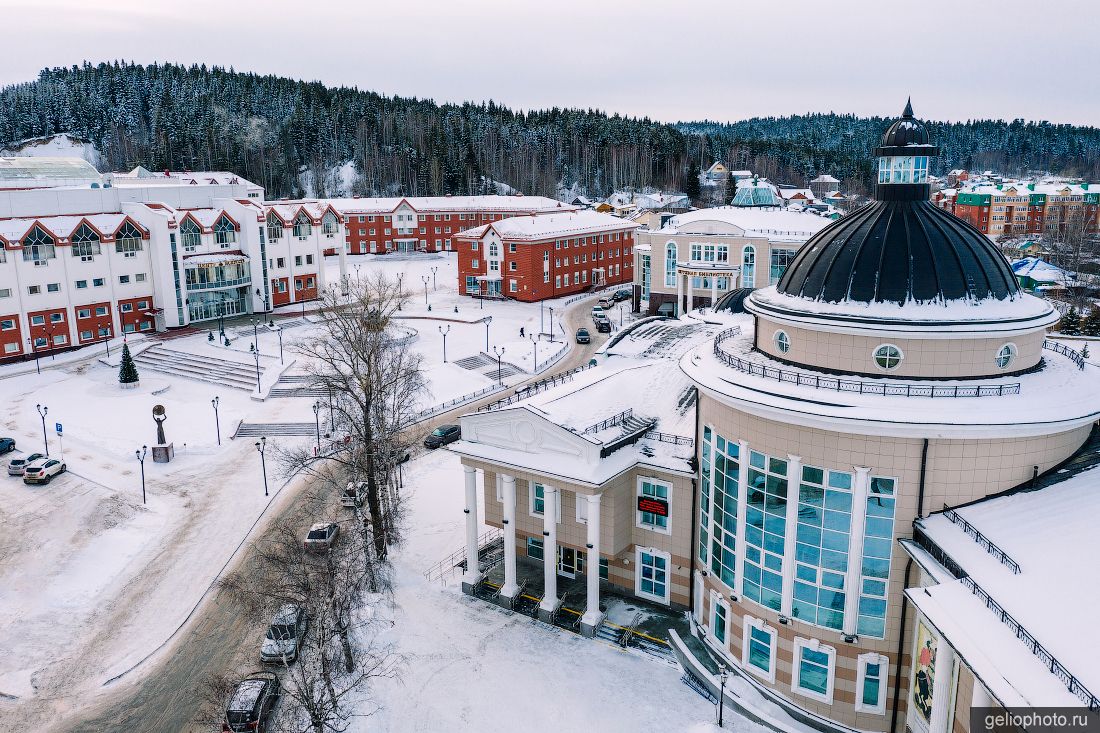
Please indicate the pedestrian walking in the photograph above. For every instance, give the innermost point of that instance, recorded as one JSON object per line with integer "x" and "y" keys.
{"x": 521, "y": 334}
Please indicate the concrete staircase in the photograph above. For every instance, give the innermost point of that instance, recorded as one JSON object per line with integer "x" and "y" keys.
{"x": 234, "y": 374}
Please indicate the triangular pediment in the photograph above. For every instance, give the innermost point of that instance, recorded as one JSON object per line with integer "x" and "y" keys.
{"x": 524, "y": 430}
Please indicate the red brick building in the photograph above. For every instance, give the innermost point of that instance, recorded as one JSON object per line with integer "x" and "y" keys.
{"x": 428, "y": 223}
{"x": 1030, "y": 209}
{"x": 536, "y": 257}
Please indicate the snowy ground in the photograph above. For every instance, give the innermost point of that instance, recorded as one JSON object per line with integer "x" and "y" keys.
{"x": 471, "y": 667}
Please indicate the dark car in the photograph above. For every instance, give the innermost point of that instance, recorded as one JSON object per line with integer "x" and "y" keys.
{"x": 252, "y": 703}
{"x": 443, "y": 435}
{"x": 583, "y": 337}
{"x": 619, "y": 295}
{"x": 603, "y": 325}
{"x": 7, "y": 445}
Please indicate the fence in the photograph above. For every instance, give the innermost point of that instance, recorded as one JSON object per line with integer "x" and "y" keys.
{"x": 609, "y": 422}
{"x": 534, "y": 388}
{"x": 986, "y": 543}
{"x": 670, "y": 438}
{"x": 447, "y": 567}
{"x": 444, "y": 406}
{"x": 889, "y": 389}
{"x": 1064, "y": 350}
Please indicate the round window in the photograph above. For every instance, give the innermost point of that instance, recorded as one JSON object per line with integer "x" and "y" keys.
{"x": 782, "y": 342}
{"x": 888, "y": 356}
{"x": 1006, "y": 355}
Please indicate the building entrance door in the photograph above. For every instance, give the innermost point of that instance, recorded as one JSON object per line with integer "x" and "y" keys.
{"x": 567, "y": 562}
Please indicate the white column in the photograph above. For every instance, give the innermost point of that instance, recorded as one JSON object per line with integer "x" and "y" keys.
{"x": 941, "y": 688}
{"x": 473, "y": 569}
{"x": 742, "y": 502}
{"x": 509, "y": 489}
{"x": 691, "y": 293}
{"x": 794, "y": 479}
{"x": 679, "y": 293}
{"x": 549, "y": 549}
{"x": 860, "y": 487}
{"x": 713, "y": 291}
{"x": 592, "y": 614}
{"x": 342, "y": 251}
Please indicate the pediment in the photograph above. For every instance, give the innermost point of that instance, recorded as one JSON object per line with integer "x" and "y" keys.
{"x": 523, "y": 430}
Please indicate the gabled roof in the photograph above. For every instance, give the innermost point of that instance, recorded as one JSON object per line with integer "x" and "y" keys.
{"x": 549, "y": 226}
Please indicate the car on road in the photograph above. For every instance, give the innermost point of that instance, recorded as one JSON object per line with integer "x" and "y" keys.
{"x": 442, "y": 435}
{"x": 7, "y": 445}
{"x": 353, "y": 494}
{"x": 597, "y": 313}
{"x": 17, "y": 465}
{"x": 603, "y": 325}
{"x": 606, "y": 303}
{"x": 283, "y": 639}
{"x": 43, "y": 471}
{"x": 623, "y": 294}
{"x": 253, "y": 701}
{"x": 583, "y": 337}
{"x": 321, "y": 536}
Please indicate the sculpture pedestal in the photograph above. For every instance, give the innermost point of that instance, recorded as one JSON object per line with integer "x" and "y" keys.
{"x": 163, "y": 453}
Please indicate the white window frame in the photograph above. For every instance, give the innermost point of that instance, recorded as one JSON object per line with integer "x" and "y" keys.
{"x": 747, "y": 625}
{"x": 716, "y": 602}
{"x": 581, "y": 502}
{"x": 861, "y": 674}
{"x": 1012, "y": 354}
{"x": 814, "y": 645}
{"x": 531, "y": 500}
{"x": 667, "y": 557}
{"x": 500, "y": 489}
{"x": 667, "y": 529}
{"x": 894, "y": 368}
{"x": 781, "y": 338}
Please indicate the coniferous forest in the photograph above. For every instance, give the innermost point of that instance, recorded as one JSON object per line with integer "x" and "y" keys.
{"x": 280, "y": 132}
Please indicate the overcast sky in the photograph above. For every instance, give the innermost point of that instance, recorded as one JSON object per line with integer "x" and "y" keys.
{"x": 666, "y": 59}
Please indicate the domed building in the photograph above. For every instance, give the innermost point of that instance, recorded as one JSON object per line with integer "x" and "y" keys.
{"x": 896, "y": 369}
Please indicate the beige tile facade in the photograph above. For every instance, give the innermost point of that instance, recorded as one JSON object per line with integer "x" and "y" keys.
{"x": 958, "y": 471}
{"x": 941, "y": 358}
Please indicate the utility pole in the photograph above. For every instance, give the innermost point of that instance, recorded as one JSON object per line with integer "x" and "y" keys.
{"x": 217, "y": 423}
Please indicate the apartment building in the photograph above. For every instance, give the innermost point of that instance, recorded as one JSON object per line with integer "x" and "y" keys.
{"x": 1029, "y": 208}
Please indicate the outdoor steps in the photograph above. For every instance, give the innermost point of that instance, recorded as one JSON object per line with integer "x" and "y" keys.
{"x": 238, "y": 375}
{"x": 256, "y": 430}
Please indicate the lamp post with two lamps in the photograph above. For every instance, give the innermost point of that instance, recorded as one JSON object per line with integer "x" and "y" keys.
{"x": 261, "y": 446}
{"x": 434, "y": 270}
{"x": 487, "y": 320}
{"x": 42, "y": 411}
{"x": 444, "y": 331}
{"x": 317, "y": 420}
{"x": 424, "y": 278}
{"x": 499, "y": 351}
{"x": 217, "y": 423}
{"x": 140, "y": 455}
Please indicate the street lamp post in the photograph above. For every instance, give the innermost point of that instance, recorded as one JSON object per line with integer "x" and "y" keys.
{"x": 425, "y": 279}
{"x": 551, "y": 324}
{"x": 256, "y": 354}
{"x": 535, "y": 344}
{"x": 279, "y": 331}
{"x": 261, "y": 446}
{"x": 331, "y": 413}
{"x": 487, "y": 320}
{"x": 217, "y": 424}
{"x": 34, "y": 347}
{"x": 400, "y": 288}
{"x": 317, "y": 420}
{"x": 50, "y": 344}
{"x": 42, "y": 413}
{"x": 434, "y": 269}
{"x": 724, "y": 675}
{"x": 542, "y": 318}
{"x": 444, "y": 332}
{"x": 141, "y": 459}
{"x": 357, "y": 265}
{"x": 499, "y": 351}
{"x": 256, "y": 335}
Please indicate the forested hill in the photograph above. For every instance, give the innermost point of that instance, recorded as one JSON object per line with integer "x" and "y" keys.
{"x": 281, "y": 132}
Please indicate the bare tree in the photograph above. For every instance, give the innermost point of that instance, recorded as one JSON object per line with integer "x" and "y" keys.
{"x": 376, "y": 381}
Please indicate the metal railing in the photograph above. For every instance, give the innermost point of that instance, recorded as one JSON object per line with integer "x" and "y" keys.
{"x": 925, "y": 542}
{"x": 446, "y": 567}
{"x": 609, "y": 422}
{"x": 1075, "y": 356}
{"x": 444, "y": 406}
{"x": 534, "y": 388}
{"x": 858, "y": 386}
{"x": 986, "y": 543}
{"x": 670, "y": 438}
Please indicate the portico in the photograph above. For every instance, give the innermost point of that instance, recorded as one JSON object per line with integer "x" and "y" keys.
{"x": 714, "y": 278}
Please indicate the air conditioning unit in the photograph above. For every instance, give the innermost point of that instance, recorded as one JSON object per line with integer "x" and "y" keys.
{"x": 129, "y": 254}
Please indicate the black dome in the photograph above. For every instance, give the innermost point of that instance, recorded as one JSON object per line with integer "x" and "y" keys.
{"x": 899, "y": 251}
{"x": 905, "y": 131}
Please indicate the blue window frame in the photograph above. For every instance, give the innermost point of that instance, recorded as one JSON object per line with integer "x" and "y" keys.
{"x": 878, "y": 541}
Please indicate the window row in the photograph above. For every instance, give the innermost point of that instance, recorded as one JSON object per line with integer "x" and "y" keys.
{"x": 888, "y": 357}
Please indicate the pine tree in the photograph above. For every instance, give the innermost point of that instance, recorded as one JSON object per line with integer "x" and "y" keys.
{"x": 691, "y": 182}
{"x": 1071, "y": 323}
{"x": 127, "y": 370}
{"x": 1091, "y": 326}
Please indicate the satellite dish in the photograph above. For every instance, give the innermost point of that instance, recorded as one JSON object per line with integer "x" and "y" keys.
{"x": 158, "y": 411}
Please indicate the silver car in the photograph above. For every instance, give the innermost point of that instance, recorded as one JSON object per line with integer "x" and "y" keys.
{"x": 321, "y": 536}
{"x": 18, "y": 465}
{"x": 284, "y": 637}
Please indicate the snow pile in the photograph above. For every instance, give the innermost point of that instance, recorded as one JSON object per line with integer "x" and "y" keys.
{"x": 62, "y": 145}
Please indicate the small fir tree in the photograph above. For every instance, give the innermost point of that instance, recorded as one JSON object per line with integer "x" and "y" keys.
{"x": 1071, "y": 323}
{"x": 1091, "y": 326}
{"x": 1085, "y": 351}
{"x": 127, "y": 370}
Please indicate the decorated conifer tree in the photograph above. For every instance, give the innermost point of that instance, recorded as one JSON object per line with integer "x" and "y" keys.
{"x": 127, "y": 370}
{"x": 1071, "y": 323}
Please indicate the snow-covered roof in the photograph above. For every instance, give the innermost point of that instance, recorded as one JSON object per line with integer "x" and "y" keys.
{"x": 43, "y": 171}
{"x": 1050, "y": 534}
{"x": 757, "y": 192}
{"x": 431, "y": 204}
{"x": 825, "y": 178}
{"x": 218, "y": 258}
{"x": 140, "y": 176}
{"x": 1042, "y": 271}
{"x": 774, "y": 223}
{"x": 62, "y": 227}
{"x": 789, "y": 193}
{"x": 548, "y": 226}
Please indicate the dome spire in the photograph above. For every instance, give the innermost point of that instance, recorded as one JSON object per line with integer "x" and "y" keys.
{"x": 908, "y": 113}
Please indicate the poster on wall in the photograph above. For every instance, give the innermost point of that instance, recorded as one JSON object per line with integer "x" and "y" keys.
{"x": 924, "y": 673}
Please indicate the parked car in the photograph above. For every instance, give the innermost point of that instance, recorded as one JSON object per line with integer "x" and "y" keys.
{"x": 668, "y": 310}
{"x": 623, "y": 294}
{"x": 321, "y": 536}
{"x": 583, "y": 337}
{"x": 443, "y": 435}
{"x": 597, "y": 312}
{"x": 283, "y": 639}
{"x": 42, "y": 471}
{"x": 603, "y": 325}
{"x": 7, "y": 445}
{"x": 15, "y": 468}
{"x": 253, "y": 701}
{"x": 353, "y": 494}
{"x": 607, "y": 303}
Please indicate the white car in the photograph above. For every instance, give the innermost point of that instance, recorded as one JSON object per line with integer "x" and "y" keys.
{"x": 42, "y": 471}
{"x": 284, "y": 636}
{"x": 321, "y": 536}
{"x": 353, "y": 494}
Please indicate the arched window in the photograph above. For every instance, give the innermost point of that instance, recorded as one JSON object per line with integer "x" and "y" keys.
{"x": 86, "y": 243}
{"x": 494, "y": 249}
{"x": 1006, "y": 355}
{"x": 225, "y": 233}
{"x": 190, "y": 235}
{"x": 670, "y": 265}
{"x": 303, "y": 227}
{"x": 274, "y": 227}
{"x": 38, "y": 246}
{"x": 748, "y": 267}
{"x": 888, "y": 357}
{"x": 128, "y": 240}
{"x": 782, "y": 342}
{"x": 329, "y": 223}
